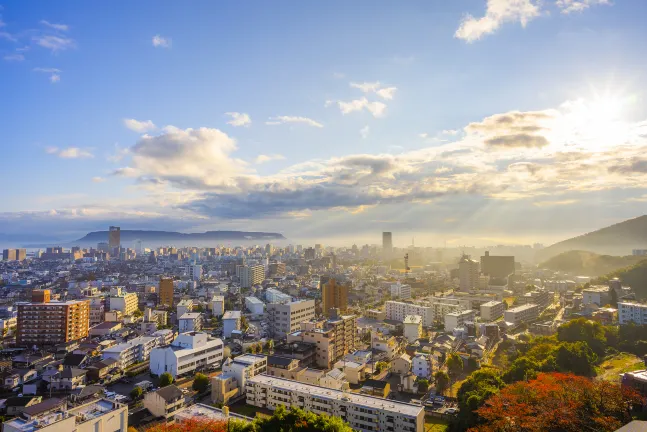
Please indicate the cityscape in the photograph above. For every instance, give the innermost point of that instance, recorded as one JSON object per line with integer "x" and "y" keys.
{"x": 421, "y": 216}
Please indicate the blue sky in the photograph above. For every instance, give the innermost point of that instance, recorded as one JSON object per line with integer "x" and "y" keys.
{"x": 352, "y": 118}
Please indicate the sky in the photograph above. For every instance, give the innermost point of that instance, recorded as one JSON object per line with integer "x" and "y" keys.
{"x": 463, "y": 122}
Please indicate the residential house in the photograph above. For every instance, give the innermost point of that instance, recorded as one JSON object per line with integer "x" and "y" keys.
{"x": 165, "y": 402}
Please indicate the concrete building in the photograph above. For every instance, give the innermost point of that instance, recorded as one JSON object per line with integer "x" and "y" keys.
{"x": 397, "y": 311}
{"x": 287, "y": 318}
{"x": 629, "y": 312}
{"x": 48, "y": 322}
{"x": 190, "y": 322}
{"x": 492, "y": 310}
{"x": 230, "y": 322}
{"x": 194, "y": 271}
{"x": 184, "y": 306}
{"x": 53, "y": 415}
{"x": 468, "y": 273}
{"x": 521, "y": 314}
{"x": 251, "y": 275}
{"x": 235, "y": 374}
{"x": 539, "y": 297}
{"x": 363, "y": 413}
{"x": 165, "y": 402}
{"x": 421, "y": 365}
{"x": 134, "y": 351}
{"x": 126, "y": 303}
{"x": 275, "y": 296}
{"x": 401, "y": 291}
{"x": 412, "y": 327}
{"x": 166, "y": 292}
{"x": 387, "y": 243}
{"x": 114, "y": 237}
{"x": 458, "y": 319}
{"x": 334, "y": 295}
{"x": 217, "y": 305}
{"x": 254, "y": 305}
{"x": 499, "y": 267}
{"x": 189, "y": 352}
{"x": 598, "y": 295}
{"x": 636, "y": 380}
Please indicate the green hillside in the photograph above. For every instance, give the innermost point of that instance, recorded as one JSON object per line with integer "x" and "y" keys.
{"x": 634, "y": 276}
{"x": 588, "y": 263}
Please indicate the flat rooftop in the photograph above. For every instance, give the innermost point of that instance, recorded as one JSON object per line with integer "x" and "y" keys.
{"x": 326, "y": 393}
{"x": 200, "y": 411}
{"x": 522, "y": 307}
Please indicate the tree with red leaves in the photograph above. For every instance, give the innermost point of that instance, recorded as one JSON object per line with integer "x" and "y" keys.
{"x": 558, "y": 402}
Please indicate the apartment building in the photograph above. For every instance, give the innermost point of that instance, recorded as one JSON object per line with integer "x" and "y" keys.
{"x": 275, "y": 296}
{"x": 217, "y": 305}
{"x": 235, "y": 373}
{"x": 166, "y": 292}
{"x": 599, "y": 295}
{"x": 134, "y": 351}
{"x": 334, "y": 295}
{"x": 521, "y": 314}
{"x": 251, "y": 275}
{"x": 458, "y": 319}
{"x": 189, "y": 352}
{"x": 126, "y": 303}
{"x": 189, "y": 322}
{"x": 46, "y": 322}
{"x": 230, "y": 322}
{"x": 53, "y": 415}
{"x": 334, "y": 338}
{"x": 401, "y": 291}
{"x": 287, "y": 318}
{"x": 632, "y": 312}
{"x": 412, "y": 327}
{"x": 363, "y": 413}
{"x": 398, "y": 311}
{"x": 468, "y": 273}
{"x": 541, "y": 298}
{"x": 97, "y": 310}
{"x": 184, "y": 306}
{"x": 492, "y": 310}
{"x": 254, "y": 305}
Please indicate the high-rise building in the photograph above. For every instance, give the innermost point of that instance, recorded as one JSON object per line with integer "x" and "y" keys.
{"x": 335, "y": 296}
{"x": 287, "y": 318}
{"x": 468, "y": 273}
{"x": 269, "y": 249}
{"x": 387, "y": 242}
{"x": 309, "y": 254}
{"x": 45, "y": 322}
{"x": 14, "y": 254}
{"x": 195, "y": 272}
{"x": 497, "y": 266}
{"x": 114, "y": 237}
{"x": 251, "y": 275}
{"x": 166, "y": 292}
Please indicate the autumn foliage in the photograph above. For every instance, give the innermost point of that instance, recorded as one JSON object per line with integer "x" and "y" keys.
{"x": 191, "y": 425}
{"x": 558, "y": 402}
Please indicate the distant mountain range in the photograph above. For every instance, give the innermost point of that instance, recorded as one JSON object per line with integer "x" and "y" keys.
{"x": 619, "y": 239}
{"x": 176, "y": 238}
{"x": 589, "y": 263}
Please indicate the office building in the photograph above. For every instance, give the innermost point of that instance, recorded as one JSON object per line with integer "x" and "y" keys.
{"x": 499, "y": 267}
{"x": 387, "y": 243}
{"x": 362, "y": 413}
{"x": 166, "y": 292}
{"x": 334, "y": 295}
{"x": 468, "y": 273}
{"x": 521, "y": 314}
{"x": 412, "y": 327}
{"x": 287, "y": 318}
{"x": 629, "y": 312}
{"x": 401, "y": 291}
{"x": 251, "y": 275}
{"x": 189, "y": 352}
{"x": 45, "y": 322}
{"x": 230, "y": 322}
{"x": 134, "y": 351}
{"x": 492, "y": 310}
{"x": 458, "y": 319}
{"x": 114, "y": 237}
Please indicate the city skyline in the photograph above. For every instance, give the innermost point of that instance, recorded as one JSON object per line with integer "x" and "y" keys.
{"x": 458, "y": 123}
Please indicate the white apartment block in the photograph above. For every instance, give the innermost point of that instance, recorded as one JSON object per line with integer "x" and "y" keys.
{"x": 275, "y": 296}
{"x": 243, "y": 368}
{"x": 251, "y": 275}
{"x": 598, "y": 295}
{"x": 287, "y": 318}
{"x": 184, "y": 306}
{"x": 187, "y": 353}
{"x": 134, "y": 351}
{"x": 468, "y": 274}
{"x": 397, "y": 311}
{"x": 217, "y": 305}
{"x": 401, "y": 291}
{"x": 412, "y": 327}
{"x": 194, "y": 272}
{"x": 189, "y": 322}
{"x": 254, "y": 305}
{"x": 230, "y": 322}
{"x": 421, "y": 365}
{"x": 126, "y": 303}
{"x": 632, "y": 312}
{"x": 492, "y": 310}
{"x": 362, "y": 413}
{"x": 458, "y": 319}
{"x": 521, "y": 314}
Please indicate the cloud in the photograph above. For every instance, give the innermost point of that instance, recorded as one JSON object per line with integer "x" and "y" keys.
{"x": 377, "y": 88}
{"x": 293, "y": 119}
{"x": 514, "y": 129}
{"x": 54, "y": 78}
{"x": 98, "y": 179}
{"x": 630, "y": 166}
{"x": 140, "y": 126}
{"x": 161, "y": 42}
{"x": 363, "y": 132}
{"x": 69, "y": 153}
{"x": 119, "y": 154}
{"x": 568, "y": 6}
{"x": 54, "y": 43}
{"x": 423, "y": 135}
{"x": 8, "y": 36}
{"x": 260, "y": 159}
{"x": 14, "y": 57}
{"x": 450, "y": 132}
{"x": 518, "y": 140}
{"x": 54, "y": 74}
{"x": 555, "y": 203}
{"x": 497, "y": 12}
{"x": 239, "y": 119}
{"x": 377, "y": 109}
{"x": 60, "y": 27}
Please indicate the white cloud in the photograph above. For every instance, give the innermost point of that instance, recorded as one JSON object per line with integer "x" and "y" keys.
{"x": 423, "y": 135}
{"x": 450, "y": 132}
{"x": 293, "y": 119}
{"x": 54, "y": 78}
{"x": 497, "y": 12}
{"x": 119, "y": 154}
{"x": 54, "y": 43}
{"x": 363, "y": 132}
{"x": 60, "y": 27}
{"x": 54, "y": 74}
{"x": 98, "y": 179}
{"x": 260, "y": 159}
{"x": 161, "y": 42}
{"x": 239, "y": 119}
{"x": 377, "y": 109}
{"x": 8, "y": 36}
{"x": 14, "y": 57}
{"x": 69, "y": 153}
{"x": 377, "y": 88}
{"x": 140, "y": 126}
{"x": 568, "y": 6}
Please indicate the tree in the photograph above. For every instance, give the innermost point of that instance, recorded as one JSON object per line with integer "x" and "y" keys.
{"x": 442, "y": 380}
{"x": 166, "y": 379}
{"x": 474, "y": 391}
{"x": 577, "y": 358}
{"x": 226, "y": 353}
{"x": 136, "y": 393}
{"x": 454, "y": 364}
{"x": 523, "y": 368}
{"x": 138, "y": 313}
{"x": 472, "y": 364}
{"x": 200, "y": 382}
{"x": 244, "y": 324}
{"x": 583, "y": 330}
{"x": 423, "y": 385}
{"x": 270, "y": 346}
{"x": 380, "y": 366}
{"x": 558, "y": 402}
{"x": 294, "y": 419}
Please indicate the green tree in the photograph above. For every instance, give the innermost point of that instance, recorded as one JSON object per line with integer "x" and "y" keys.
{"x": 583, "y": 330}
{"x": 454, "y": 364}
{"x": 472, "y": 364}
{"x": 138, "y": 313}
{"x": 423, "y": 385}
{"x": 577, "y": 358}
{"x": 270, "y": 346}
{"x": 244, "y": 324}
{"x": 136, "y": 393}
{"x": 473, "y": 393}
{"x": 166, "y": 379}
{"x": 442, "y": 381}
{"x": 200, "y": 382}
{"x": 284, "y": 420}
{"x": 523, "y": 368}
{"x": 380, "y": 366}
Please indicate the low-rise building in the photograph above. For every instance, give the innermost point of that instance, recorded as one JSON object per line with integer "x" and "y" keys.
{"x": 401, "y": 291}
{"x": 189, "y": 352}
{"x": 458, "y": 319}
{"x": 134, "y": 351}
{"x": 631, "y": 312}
{"x": 492, "y": 310}
{"x": 375, "y": 314}
{"x": 254, "y": 305}
{"x": 230, "y": 322}
{"x": 412, "y": 327}
{"x": 287, "y": 318}
{"x": 421, "y": 365}
{"x": 190, "y": 322}
{"x": 217, "y": 305}
{"x": 521, "y": 314}
{"x": 598, "y": 295}
{"x": 165, "y": 402}
{"x": 235, "y": 373}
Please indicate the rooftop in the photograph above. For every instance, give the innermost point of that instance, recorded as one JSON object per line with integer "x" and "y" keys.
{"x": 522, "y": 307}
{"x": 253, "y": 300}
{"x": 231, "y": 315}
{"x": 190, "y": 315}
{"x": 207, "y": 412}
{"x": 412, "y": 319}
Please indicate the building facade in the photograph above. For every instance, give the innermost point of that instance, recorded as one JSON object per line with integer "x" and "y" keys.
{"x": 166, "y": 292}
{"x": 492, "y": 310}
{"x": 287, "y": 318}
{"x": 334, "y": 295}
{"x": 468, "y": 273}
{"x": 52, "y": 322}
{"x": 189, "y": 352}
{"x": 521, "y": 314}
{"x": 632, "y": 313}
